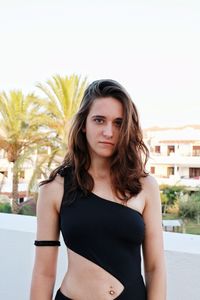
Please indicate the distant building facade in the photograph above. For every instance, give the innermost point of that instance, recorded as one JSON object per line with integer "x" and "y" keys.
{"x": 174, "y": 155}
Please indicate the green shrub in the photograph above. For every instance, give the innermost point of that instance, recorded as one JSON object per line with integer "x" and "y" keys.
{"x": 189, "y": 209}
{"x": 5, "y": 208}
{"x": 173, "y": 193}
{"x": 27, "y": 210}
{"x": 195, "y": 196}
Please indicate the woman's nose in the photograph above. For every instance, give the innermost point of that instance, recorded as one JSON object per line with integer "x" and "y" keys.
{"x": 108, "y": 130}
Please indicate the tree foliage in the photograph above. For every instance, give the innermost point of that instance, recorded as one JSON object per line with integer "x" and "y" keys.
{"x": 29, "y": 122}
{"x": 21, "y": 132}
{"x": 190, "y": 209}
{"x": 62, "y": 97}
{"x": 173, "y": 193}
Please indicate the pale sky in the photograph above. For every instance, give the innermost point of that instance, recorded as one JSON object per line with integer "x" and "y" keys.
{"x": 151, "y": 47}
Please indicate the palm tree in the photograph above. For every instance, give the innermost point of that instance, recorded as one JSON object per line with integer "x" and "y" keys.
{"x": 63, "y": 97}
{"x": 21, "y": 132}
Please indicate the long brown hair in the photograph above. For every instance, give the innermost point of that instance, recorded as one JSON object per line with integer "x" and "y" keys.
{"x": 129, "y": 159}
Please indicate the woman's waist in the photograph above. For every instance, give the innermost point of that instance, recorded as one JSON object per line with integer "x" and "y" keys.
{"x": 77, "y": 285}
{"x": 103, "y": 285}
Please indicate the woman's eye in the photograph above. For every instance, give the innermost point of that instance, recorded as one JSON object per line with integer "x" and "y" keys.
{"x": 118, "y": 123}
{"x": 98, "y": 121}
{"x": 101, "y": 121}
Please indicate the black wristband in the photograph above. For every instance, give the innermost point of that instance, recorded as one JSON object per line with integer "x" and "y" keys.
{"x": 47, "y": 243}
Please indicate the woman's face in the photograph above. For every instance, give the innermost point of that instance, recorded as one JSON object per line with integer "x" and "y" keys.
{"x": 103, "y": 126}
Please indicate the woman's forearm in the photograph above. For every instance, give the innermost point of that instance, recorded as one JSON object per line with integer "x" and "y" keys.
{"x": 42, "y": 287}
{"x": 156, "y": 284}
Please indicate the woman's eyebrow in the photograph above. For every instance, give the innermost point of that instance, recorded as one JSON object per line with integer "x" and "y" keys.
{"x": 103, "y": 117}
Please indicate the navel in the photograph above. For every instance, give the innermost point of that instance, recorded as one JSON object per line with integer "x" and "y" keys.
{"x": 111, "y": 291}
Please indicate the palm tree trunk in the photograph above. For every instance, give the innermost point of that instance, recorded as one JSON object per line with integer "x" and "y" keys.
{"x": 15, "y": 195}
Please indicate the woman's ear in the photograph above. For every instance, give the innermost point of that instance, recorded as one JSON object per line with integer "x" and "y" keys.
{"x": 83, "y": 129}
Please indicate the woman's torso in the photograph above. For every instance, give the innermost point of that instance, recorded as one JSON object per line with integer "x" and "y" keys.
{"x": 84, "y": 277}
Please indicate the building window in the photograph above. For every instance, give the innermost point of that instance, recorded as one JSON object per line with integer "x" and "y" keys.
{"x": 170, "y": 149}
{"x": 170, "y": 171}
{"x": 196, "y": 150}
{"x": 194, "y": 173}
{"x": 20, "y": 200}
{"x": 152, "y": 170}
{"x": 157, "y": 149}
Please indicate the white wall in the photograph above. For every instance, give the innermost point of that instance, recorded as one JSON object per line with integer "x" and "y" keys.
{"x": 184, "y": 171}
{"x": 17, "y": 235}
{"x": 185, "y": 149}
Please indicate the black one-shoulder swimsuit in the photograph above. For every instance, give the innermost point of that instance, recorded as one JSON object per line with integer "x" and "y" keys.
{"x": 110, "y": 235}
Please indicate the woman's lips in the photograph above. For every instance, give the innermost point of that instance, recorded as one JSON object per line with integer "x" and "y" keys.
{"x": 107, "y": 143}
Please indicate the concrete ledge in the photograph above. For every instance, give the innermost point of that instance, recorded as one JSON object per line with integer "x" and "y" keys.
{"x": 183, "y": 243}
{"x": 17, "y": 235}
{"x": 18, "y": 222}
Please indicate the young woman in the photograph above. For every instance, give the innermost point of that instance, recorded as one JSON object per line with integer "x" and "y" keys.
{"x": 106, "y": 206}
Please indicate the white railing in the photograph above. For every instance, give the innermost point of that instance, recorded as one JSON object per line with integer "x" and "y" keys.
{"x": 175, "y": 180}
{"x": 17, "y": 234}
{"x": 175, "y": 159}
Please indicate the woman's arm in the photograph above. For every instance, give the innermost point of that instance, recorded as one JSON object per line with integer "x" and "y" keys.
{"x": 153, "y": 250}
{"x": 44, "y": 271}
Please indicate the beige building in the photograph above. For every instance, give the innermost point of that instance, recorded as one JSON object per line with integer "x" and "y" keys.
{"x": 174, "y": 155}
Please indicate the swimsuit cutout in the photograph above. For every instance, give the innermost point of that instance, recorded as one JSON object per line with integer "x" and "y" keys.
{"x": 108, "y": 234}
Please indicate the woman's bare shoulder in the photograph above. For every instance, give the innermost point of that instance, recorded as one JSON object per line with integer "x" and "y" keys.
{"x": 149, "y": 181}
{"x": 149, "y": 185}
{"x": 53, "y": 185}
{"x": 52, "y": 191}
